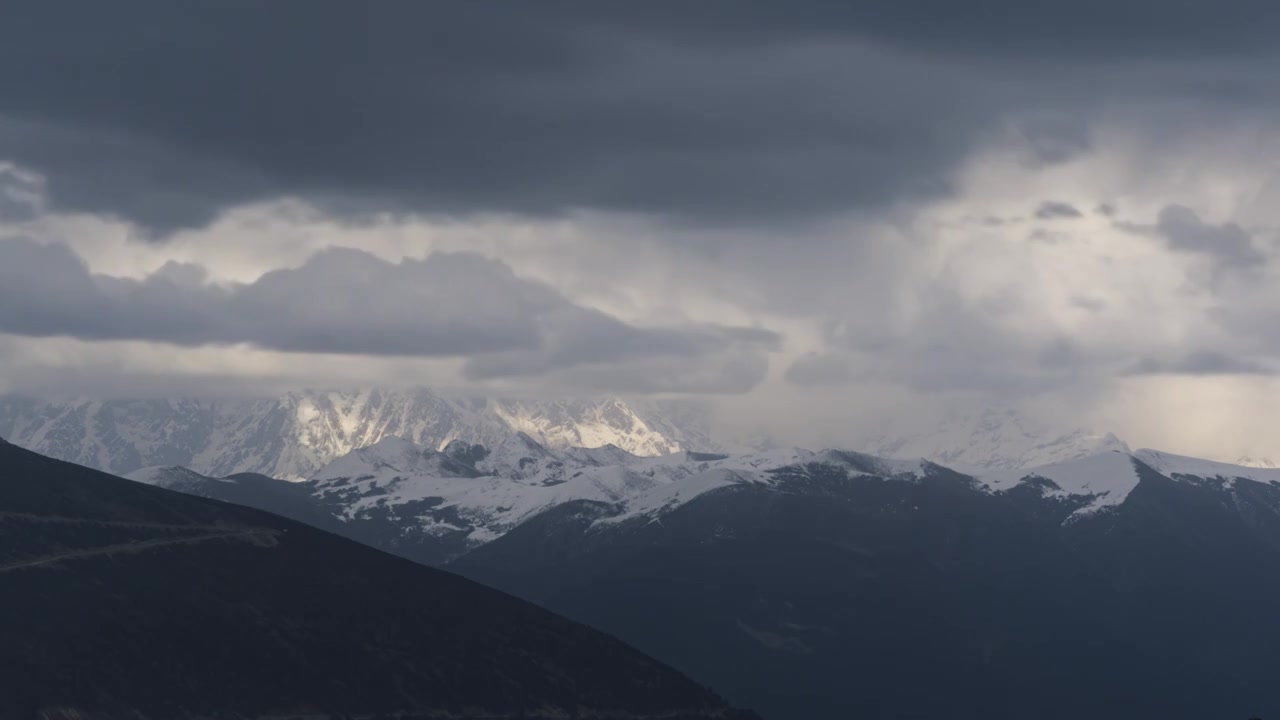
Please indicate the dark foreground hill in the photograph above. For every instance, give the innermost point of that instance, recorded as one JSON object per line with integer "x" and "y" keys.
{"x": 119, "y": 600}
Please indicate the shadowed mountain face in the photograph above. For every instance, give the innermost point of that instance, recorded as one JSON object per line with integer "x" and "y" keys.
{"x": 837, "y": 591}
{"x": 122, "y": 600}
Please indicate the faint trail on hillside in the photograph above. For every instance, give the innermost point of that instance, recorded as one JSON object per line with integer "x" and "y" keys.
{"x": 140, "y": 546}
{"x": 32, "y": 517}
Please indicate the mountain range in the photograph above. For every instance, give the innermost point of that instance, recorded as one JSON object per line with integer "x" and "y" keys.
{"x": 1116, "y": 583}
{"x": 292, "y": 436}
{"x": 436, "y": 505}
{"x": 992, "y": 439}
{"x": 1013, "y": 570}
{"x": 119, "y": 600}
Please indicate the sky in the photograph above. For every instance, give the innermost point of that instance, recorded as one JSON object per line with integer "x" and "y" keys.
{"x": 822, "y": 217}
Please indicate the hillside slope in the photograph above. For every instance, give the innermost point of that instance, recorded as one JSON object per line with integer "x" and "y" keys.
{"x": 122, "y": 600}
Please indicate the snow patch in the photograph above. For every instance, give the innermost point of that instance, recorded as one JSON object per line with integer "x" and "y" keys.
{"x": 1107, "y": 477}
{"x": 1171, "y": 465}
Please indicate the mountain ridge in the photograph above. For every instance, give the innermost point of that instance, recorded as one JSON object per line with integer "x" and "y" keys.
{"x": 1099, "y": 587}
{"x": 435, "y": 506}
{"x": 293, "y": 435}
{"x": 992, "y": 439}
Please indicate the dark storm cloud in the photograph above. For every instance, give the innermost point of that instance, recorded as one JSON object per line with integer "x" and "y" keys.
{"x": 1085, "y": 28}
{"x": 350, "y": 302}
{"x": 1227, "y": 244}
{"x": 167, "y": 112}
{"x": 1053, "y": 209}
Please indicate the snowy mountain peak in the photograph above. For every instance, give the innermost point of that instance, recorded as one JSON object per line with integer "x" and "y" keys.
{"x": 1255, "y": 462}
{"x": 1109, "y": 441}
{"x": 174, "y": 477}
{"x": 1173, "y": 465}
{"x": 604, "y": 455}
{"x": 470, "y": 494}
{"x": 395, "y": 456}
{"x": 994, "y": 439}
{"x": 524, "y": 439}
{"x": 1105, "y": 478}
{"x": 397, "y": 452}
{"x": 518, "y": 456}
{"x": 294, "y": 435}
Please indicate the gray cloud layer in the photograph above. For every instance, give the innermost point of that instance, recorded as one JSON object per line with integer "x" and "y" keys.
{"x": 1227, "y": 244}
{"x": 733, "y": 118}
{"x": 820, "y": 369}
{"x": 168, "y": 112}
{"x": 1201, "y": 362}
{"x": 348, "y": 301}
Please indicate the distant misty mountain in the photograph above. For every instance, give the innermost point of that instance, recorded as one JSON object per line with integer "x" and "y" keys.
{"x": 1258, "y": 462}
{"x": 993, "y": 439}
{"x": 835, "y": 584}
{"x": 294, "y": 435}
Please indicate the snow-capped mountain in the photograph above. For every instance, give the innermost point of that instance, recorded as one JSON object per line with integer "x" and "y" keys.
{"x": 994, "y": 439}
{"x": 790, "y": 557}
{"x": 294, "y": 435}
{"x": 1126, "y": 564}
{"x": 478, "y": 494}
{"x": 1256, "y": 462}
{"x": 772, "y": 565}
{"x": 434, "y": 505}
{"x": 173, "y": 477}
